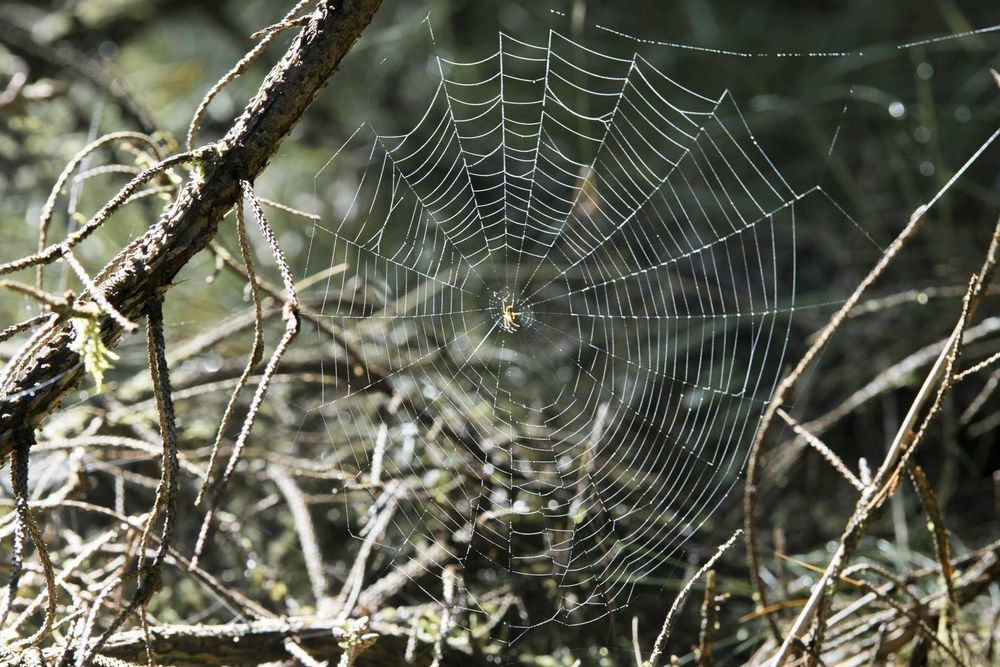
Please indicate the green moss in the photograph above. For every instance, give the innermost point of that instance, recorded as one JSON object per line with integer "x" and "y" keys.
{"x": 88, "y": 344}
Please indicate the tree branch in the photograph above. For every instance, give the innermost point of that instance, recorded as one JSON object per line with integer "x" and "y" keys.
{"x": 151, "y": 261}
{"x": 261, "y": 641}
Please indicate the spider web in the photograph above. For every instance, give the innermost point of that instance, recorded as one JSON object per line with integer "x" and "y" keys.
{"x": 569, "y": 294}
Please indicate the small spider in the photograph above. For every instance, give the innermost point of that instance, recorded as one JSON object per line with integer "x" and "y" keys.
{"x": 509, "y": 322}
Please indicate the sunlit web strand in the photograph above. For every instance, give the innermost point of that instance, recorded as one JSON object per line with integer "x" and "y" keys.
{"x": 644, "y": 243}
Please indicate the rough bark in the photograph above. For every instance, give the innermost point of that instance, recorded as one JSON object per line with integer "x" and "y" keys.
{"x": 263, "y": 641}
{"x": 149, "y": 263}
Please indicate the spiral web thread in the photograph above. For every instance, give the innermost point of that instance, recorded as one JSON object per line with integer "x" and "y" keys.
{"x": 575, "y": 278}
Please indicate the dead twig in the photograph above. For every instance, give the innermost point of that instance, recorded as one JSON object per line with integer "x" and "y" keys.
{"x": 290, "y": 313}
{"x": 907, "y": 438}
{"x": 27, "y": 524}
{"x": 681, "y": 597}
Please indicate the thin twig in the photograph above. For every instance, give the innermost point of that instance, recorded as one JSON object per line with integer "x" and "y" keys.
{"x": 53, "y": 252}
{"x": 899, "y": 373}
{"x": 88, "y": 625}
{"x": 387, "y": 504}
{"x": 312, "y": 217}
{"x": 788, "y": 383}
{"x": 237, "y": 69}
{"x": 153, "y": 259}
{"x": 256, "y": 352}
{"x": 985, "y": 363}
{"x": 150, "y": 576}
{"x": 97, "y": 294}
{"x": 279, "y": 26}
{"x": 48, "y": 209}
{"x": 977, "y": 403}
{"x": 15, "y": 329}
{"x": 19, "y": 485}
{"x": 361, "y": 367}
{"x": 166, "y": 492}
{"x": 307, "y": 536}
{"x": 783, "y": 390}
{"x": 905, "y": 442}
{"x": 290, "y": 313}
{"x": 444, "y": 627}
{"x": 681, "y": 597}
{"x": 823, "y": 449}
{"x": 295, "y": 650}
{"x": 104, "y": 170}
{"x": 14, "y": 365}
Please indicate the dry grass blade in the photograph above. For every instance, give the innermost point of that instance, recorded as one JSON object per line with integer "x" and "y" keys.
{"x": 942, "y": 549}
{"x": 926, "y": 632}
{"x": 705, "y": 651}
{"x": 636, "y": 648}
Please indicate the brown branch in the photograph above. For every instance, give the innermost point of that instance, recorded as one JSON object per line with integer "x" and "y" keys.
{"x": 151, "y": 261}
{"x": 261, "y": 641}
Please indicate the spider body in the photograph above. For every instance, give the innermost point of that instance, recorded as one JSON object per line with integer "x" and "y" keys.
{"x": 509, "y": 317}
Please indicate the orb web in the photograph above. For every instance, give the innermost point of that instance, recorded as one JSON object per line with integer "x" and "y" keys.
{"x": 569, "y": 290}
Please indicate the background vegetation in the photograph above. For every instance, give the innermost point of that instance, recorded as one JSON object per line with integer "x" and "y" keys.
{"x": 903, "y": 120}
